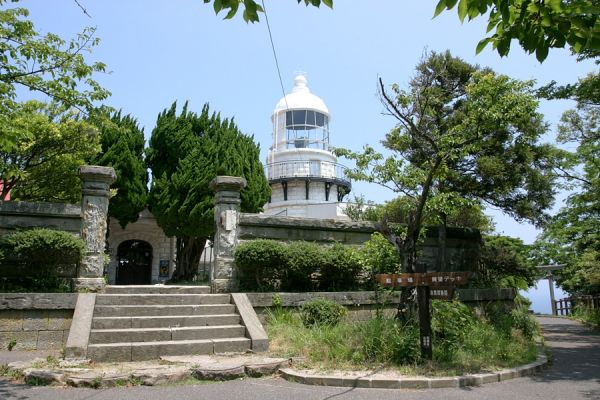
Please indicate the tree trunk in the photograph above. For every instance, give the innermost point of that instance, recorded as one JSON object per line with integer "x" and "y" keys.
{"x": 407, "y": 308}
{"x": 189, "y": 251}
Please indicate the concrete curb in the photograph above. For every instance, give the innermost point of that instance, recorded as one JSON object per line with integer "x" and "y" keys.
{"x": 415, "y": 382}
{"x": 150, "y": 375}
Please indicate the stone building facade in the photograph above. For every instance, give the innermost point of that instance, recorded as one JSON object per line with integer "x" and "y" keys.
{"x": 137, "y": 239}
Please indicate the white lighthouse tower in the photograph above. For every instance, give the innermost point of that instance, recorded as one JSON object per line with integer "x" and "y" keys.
{"x": 305, "y": 178}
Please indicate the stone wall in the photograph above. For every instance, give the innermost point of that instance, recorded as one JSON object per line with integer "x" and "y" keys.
{"x": 16, "y": 215}
{"x": 260, "y": 226}
{"x": 35, "y": 321}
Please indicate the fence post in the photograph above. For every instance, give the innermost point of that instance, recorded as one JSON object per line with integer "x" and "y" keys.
{"x": 223, "y": 274}
{"x": 96, "y": 183}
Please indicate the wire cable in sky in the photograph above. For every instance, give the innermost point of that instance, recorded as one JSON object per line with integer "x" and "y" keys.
{"x": 274, "y": 54}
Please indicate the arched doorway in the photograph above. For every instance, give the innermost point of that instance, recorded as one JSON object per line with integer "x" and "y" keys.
{"x": 134, "y": 263}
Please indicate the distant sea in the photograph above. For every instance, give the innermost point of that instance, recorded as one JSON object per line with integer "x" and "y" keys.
{"x": 540, "y": 297}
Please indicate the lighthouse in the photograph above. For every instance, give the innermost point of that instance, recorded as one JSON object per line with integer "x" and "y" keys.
{"x": 305, "y": 178}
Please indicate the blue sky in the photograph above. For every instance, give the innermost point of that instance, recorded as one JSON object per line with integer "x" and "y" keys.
{"x": 159, "y": 52}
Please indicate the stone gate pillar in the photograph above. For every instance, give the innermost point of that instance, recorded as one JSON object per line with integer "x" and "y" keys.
{"x": 94, "y": 211}
{"x": 223, "y": 274}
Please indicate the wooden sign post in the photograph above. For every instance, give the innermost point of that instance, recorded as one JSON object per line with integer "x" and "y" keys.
{"x": 436, "y": 285}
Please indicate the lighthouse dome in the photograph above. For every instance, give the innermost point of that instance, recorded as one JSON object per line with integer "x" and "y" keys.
{"x": 301, "y": 98}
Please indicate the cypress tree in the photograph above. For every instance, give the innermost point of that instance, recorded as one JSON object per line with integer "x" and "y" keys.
{"x": 186, "y": 152}
{"x": 122, "y": 142}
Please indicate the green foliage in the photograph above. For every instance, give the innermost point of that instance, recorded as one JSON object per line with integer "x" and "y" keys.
{"x": 340, "y": 269}
{"x": 385, "y": 341}
{"x": 587, "y": 315}
{"x": 451, "y": 322}
{"x": 506, "y": 319}
{"x": 381, "y": 342}
{"x": 301, "y": 260}
{"x": 43, "y": 248}
{"x": 504, "y": 263}
{"x": 122, "y": 142}
{"x": 44, "y": 164}
{"x": 503, "y": 337}
{"x": 538, "y": 26}
{"x": 40, "y": 257}
{"x": 260, "y": 263}
{"x": 45, "y": 64}
{"x": 322, "y": 312}
{"x": 378, "y": 256}
{"x": 298, "y": 266}
{"x": 359, "y": 209}
{"x": 186, "y": 152}
{"x": 252, "y": 8}
{"x": 464, "y": 136}
{"x": 573, "y": 236}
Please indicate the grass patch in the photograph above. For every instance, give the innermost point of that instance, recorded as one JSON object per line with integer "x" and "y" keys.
{"x": 464, "y": 344}
{"x": 587, "y": 315}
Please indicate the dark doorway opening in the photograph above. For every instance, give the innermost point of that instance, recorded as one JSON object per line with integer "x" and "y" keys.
{"x": 134, "y": 266}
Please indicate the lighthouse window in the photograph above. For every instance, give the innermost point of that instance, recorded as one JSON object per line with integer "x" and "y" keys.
{"x": 321, "y": 119}
{"x": 301, "y": 119}
{"x": 310, "y": 118}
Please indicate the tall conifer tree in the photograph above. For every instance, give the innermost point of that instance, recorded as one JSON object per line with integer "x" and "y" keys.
{"x": 122, "y": 142}
{"x": 186, "y": 152}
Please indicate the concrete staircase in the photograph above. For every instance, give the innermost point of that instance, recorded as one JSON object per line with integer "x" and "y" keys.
{"x": 137, "y": 323}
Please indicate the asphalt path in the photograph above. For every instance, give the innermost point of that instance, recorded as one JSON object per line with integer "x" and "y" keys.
{"x": 573, "y": 375}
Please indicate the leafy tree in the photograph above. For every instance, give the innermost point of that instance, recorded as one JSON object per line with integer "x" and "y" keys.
{"x": 186, "y": 152}
{"x": 252, "y": 8}
{"x": 573, "y": 235}
{"x": 45, "y": 64}
{"x": 122, "y": 142}
{"x": 44, "y": 163}
{"x": 505, "y": 262}
{"x": 586, "y": 91}
{"x": 465, "y": 136}
{"x": 536, "y": 25}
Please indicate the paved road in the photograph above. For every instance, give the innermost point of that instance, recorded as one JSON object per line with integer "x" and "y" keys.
{"x": 574, "y": 375}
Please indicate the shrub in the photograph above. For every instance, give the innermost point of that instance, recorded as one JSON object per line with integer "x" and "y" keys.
{"x": 321, "y": 312}
{"x": 43, "y": 248}
{"x": 450, "y": 323}
{"x": 340, "y": 269}
{"x": 378, "y": 256}
{"x": 260, "y": 263}
{"x": 505, "y": 319}
{"x": 302, "y": 260}
{"x": 386, "y": 341}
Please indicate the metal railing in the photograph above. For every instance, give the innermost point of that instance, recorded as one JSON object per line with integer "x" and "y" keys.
{"x": 310, "y": 169}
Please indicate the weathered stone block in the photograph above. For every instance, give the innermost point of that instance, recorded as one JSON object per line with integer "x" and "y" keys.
{"x": 11, "y": 320}
{"x": 223, "y": 285}
{"x": 223, "y": 268}
{"x": 59, "y": 320}
{"x": 22, "y": 340}
{"x": 35, "y": 320}
{"x": 50, "y": 340}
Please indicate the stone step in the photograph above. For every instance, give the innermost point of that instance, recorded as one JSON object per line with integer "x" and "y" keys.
{"x": 161, "y": 299}
{"x": 142, "y": 351}
{"x": 98, "y": 336}
{"x": 162, "y": 310}
{"x": 156, "y": 289}
{"x": 164, "y": 321}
